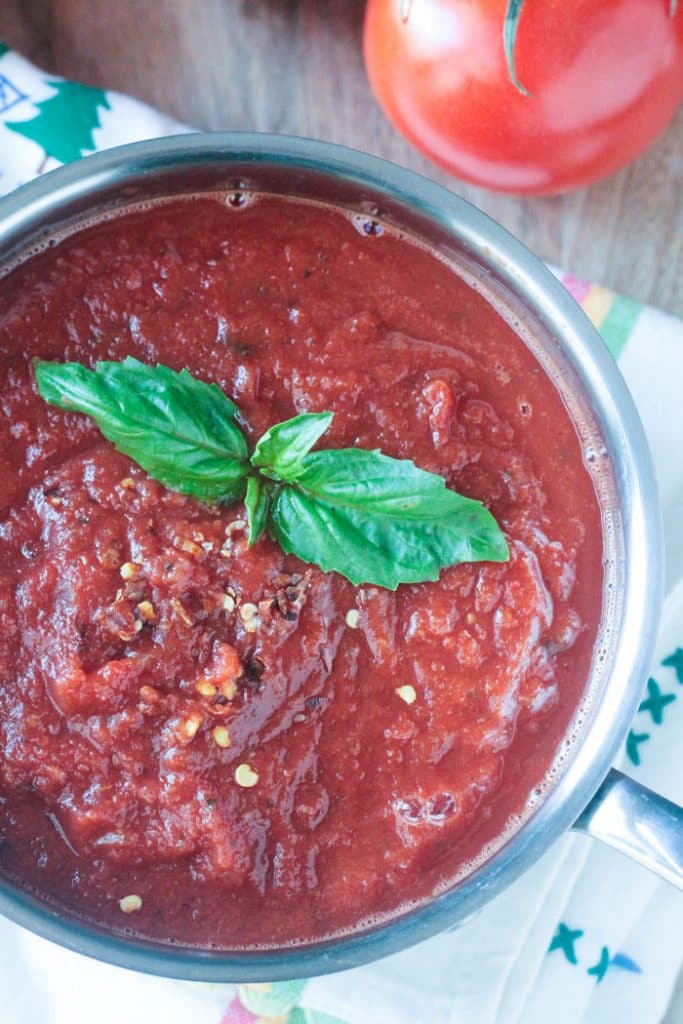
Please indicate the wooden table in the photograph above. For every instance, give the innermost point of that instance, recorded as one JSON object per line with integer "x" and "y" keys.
{"x": 296, "y": 66}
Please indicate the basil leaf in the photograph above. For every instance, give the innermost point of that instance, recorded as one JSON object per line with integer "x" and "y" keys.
{"x": 257, "y": 503}
{"x": 380, "y": 520}
{"x": 281, "y": 449}
{"x": 178, "y": 429}
{"x": 369, "y": 517}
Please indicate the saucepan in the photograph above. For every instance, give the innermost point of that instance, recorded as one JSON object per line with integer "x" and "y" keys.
{"x": 585, "y": 792}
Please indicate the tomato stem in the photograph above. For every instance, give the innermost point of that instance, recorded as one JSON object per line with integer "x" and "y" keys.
{"x": 510, "y": 26}
{"x": 672, "y": 7}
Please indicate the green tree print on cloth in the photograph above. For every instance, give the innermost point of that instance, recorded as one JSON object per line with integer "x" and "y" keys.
{"x": 64, "y": 124}
{"x": 564, "y": 939}
{"x": 675, "y": 661}
{"x": 599, "y": 970}
{"x": 633, "y": 741}
{"x": 653, "y": 705}
{"x": 656, "y": 701}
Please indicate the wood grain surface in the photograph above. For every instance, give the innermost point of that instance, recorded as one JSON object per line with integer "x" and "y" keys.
{"x": 296, "y": 66}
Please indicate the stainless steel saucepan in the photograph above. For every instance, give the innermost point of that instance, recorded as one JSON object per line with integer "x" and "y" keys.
{"x": 585, "y": 793}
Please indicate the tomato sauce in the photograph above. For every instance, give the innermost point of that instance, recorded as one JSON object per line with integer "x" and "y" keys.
{"x": 259, "y": 751}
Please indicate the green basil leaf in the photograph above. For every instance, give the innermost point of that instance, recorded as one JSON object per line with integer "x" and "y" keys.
{"x": 257, "y": 503}
{"x": 369, "y": 517}
{"x": 380, "y": 520}
{"x": 281, "y": 449}
{"x": 180, "y": 430}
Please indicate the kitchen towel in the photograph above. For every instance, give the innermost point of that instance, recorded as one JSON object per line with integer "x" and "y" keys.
{"x": 585, "y": 937}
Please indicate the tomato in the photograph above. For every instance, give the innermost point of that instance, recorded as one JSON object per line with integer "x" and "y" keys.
{"x": 604, "y": 78}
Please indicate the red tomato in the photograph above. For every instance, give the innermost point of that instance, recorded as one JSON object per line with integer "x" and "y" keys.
{"x": 604, "y": 79}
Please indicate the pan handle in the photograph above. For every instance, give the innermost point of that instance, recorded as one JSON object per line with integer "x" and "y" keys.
{"x": 634, "y": 820}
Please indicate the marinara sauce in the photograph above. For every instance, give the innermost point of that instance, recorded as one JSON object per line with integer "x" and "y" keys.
{"x": 258, "y": 751}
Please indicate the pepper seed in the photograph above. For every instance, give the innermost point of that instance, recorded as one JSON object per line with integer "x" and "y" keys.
{"x": 129, "y": 570}
{"x": 406, "y": 693}
{"x": 129, "y": 904}
{"x": 245, "y": 776}
{"x": 221, "y": 737}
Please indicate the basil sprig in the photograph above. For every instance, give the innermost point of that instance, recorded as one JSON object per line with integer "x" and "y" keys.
{"x": 360, "y": 513}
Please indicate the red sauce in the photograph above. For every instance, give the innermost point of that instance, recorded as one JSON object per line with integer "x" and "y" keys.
{"x": 126, "y": 633}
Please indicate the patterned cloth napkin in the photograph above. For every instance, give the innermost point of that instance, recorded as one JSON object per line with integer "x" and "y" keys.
{"x": 585, "y": 936}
